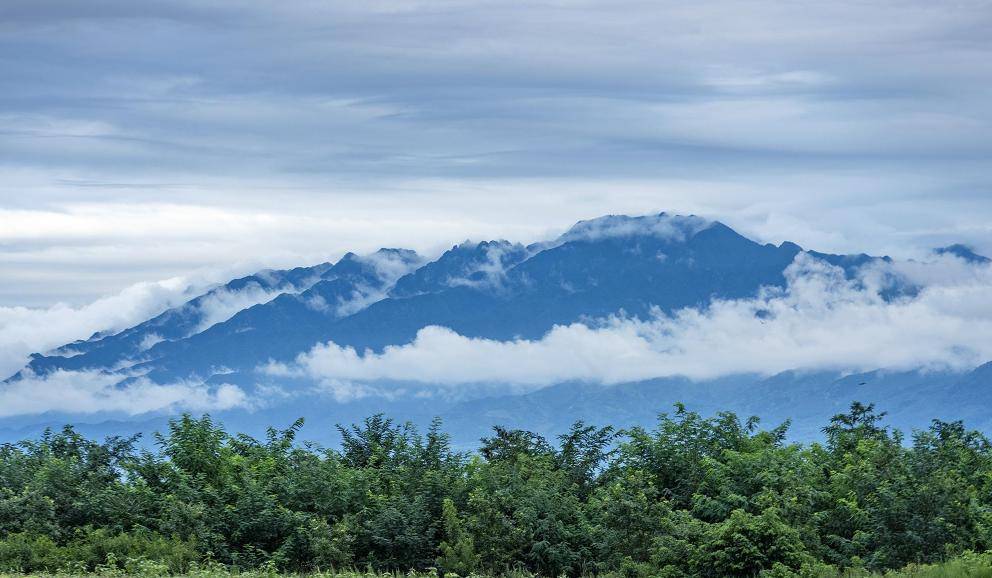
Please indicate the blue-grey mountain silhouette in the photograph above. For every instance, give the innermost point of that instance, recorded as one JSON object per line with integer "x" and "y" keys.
{"x": 616, "y": 265}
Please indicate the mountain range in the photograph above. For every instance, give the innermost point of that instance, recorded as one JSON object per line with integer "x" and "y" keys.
{"x": 252, "y": 333}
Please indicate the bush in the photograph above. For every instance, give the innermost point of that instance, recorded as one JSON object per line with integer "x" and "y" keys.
{"x": 23, "y": 552}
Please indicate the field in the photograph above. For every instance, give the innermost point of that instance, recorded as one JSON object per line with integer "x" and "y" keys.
{"x": 968, "y": 565}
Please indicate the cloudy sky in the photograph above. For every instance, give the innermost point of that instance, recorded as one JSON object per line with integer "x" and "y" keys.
{"x": 144, "y": 142}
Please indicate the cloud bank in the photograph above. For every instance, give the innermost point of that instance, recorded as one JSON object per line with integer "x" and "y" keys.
{"x": 672, "y": 228}
{"x": 222, "y": 304}
{"x": 819, "y": 321}
{"x": 85, "y": 392}
{"x": 26, "y": 330}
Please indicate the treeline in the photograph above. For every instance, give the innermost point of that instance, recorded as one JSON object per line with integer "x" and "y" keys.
{"x": 694, "y": 496}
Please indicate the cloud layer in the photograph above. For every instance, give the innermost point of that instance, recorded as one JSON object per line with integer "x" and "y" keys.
{"x": 140, "y": 141}
{"x": 25, "y": 330}
{"x": 821, "y": 321}
{"x": 220, "y": 305}
{"x": 85, "y": 392}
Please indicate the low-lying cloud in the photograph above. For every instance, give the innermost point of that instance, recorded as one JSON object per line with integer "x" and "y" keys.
{"x": 26, "y": 330}
{"x": 821, "y": 320}
{"x": 85, "y": 392}
{"x": 664, "y": 226}
{"x": 220, "y": 305}
{"x": 389, "y": 266}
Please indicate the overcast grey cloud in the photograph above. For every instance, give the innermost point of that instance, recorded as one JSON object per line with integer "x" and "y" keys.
{"x": 141, "y": 141}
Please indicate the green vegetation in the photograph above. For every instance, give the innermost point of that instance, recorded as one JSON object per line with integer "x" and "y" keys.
{"x": 693, "y": 496}
{"x": 968, "y": 565}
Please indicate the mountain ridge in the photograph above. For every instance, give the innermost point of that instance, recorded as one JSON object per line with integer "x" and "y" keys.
{"x": 632, "y": 267}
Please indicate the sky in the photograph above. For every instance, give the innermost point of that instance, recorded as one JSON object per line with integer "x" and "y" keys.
{"x": 149, "y": 148}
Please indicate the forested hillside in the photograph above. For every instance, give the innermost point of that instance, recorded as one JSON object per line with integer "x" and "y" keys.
{"x": 694, "y": 496}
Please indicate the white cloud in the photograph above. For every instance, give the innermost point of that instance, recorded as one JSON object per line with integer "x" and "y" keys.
{"x": 821, "y": 321}
{"x": 756, "y": 81}
{"x": 150, "y": 340}
{"x": 939, "y": 271}
{"x": 664, "y": 226}
{"x": 83, "y": 392}
{"x": 220, "y": 305}
{"x": 491, "y": 271}
{"x": 359, "y": 299}
{"x": 344, "y": 391}
{"x": 389, "y": 267}
{"x": 25, "y": 330}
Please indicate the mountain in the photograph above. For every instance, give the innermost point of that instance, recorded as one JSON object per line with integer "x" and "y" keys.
{"x": 806, "y": 399}
{"x": 611, "y": 267}
{"x": 292, "y": 301}
{"x": 178, "y": 323}
{"x": 495, "y": 290}
{"x": 963, "y": 252}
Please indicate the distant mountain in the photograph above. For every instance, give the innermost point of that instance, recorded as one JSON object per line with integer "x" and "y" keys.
{"x": 195, "y": 316}
{"x": 493, "y": 289}
{"x": 964, "y": 252}
{"x": 805, "y": 399}
{"x": 633, "y": 267}
{"x": 290, "y": 304}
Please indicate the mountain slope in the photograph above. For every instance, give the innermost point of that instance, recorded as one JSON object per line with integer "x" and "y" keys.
{"x": 204, "y": 311}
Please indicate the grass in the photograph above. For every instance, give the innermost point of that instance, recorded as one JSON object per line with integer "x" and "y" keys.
{"x": 968, "y": 565}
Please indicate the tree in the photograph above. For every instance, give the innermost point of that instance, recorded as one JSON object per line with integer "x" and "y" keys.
{"x": 457, "y": 550}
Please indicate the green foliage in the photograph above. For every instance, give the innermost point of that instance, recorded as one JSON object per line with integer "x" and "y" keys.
{"x": 92, "y": 549}
{"x": 694, "y": 496}
{"x": 458, "y": 548}
{"x": 745, "y": 545}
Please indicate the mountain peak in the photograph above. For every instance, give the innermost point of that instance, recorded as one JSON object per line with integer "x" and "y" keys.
{"x": 674, "y": 228}
{"x": 469, "y": 246}
{"x": 384, "y": 266}
{"x": 466, "y": 263}
{"x": 398, "y": 253}
{"x": 963, "y": 252}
